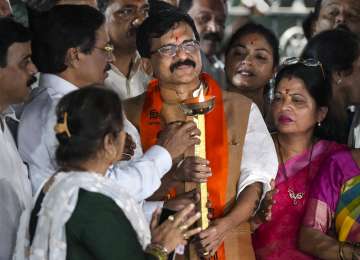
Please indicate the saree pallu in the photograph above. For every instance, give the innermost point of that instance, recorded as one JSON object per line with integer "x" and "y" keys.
{"x": 334, "y": 204}
{"x": 277, "y": 239}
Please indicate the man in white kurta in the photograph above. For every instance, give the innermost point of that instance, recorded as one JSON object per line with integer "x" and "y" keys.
{"x": 37, "y": 142}
{"x": 128, "y": 76}
{"x": 16, "y": 75}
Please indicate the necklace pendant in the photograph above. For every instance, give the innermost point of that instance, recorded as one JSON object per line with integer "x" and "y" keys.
{"x": 295, "y": 196}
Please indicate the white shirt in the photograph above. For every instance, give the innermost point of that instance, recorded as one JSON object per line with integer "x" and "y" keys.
{"x": 354, "y": 135}
{"x": 37, "y": 144}
{"x": 259, "y": 161}
{"x": 15, "y": 191}
{"x": 130, "y": 87}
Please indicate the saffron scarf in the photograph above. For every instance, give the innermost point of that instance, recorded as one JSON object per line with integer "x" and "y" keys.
{"x": 216, "y": 140}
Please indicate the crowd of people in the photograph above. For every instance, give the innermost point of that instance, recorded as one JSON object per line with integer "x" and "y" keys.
{"x": 97, "y": 155}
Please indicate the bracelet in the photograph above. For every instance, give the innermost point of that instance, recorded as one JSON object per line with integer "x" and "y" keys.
{"x": 341, "y": 251}
{"x": 352, "y": 245}
{"x": 158, "y": 251}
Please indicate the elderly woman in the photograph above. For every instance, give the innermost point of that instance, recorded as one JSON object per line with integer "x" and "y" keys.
{"x": 300, "y": 113}
{"x": 81, "y": 214}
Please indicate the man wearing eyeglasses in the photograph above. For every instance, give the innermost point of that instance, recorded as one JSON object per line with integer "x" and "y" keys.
{"x": 128, "y": 76}
{"x": 73, "y": 52}
{"x": 241, "y": 158}
{"x": 209, "y": 17}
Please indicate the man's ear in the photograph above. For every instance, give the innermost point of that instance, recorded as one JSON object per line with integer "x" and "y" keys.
{"x": 72, "y": 57}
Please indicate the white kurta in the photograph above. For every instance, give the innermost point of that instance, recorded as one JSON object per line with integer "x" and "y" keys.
{"x": 15, "y": 191}
{"x": 37, "y": 144}
{"x": 130, "y": 87}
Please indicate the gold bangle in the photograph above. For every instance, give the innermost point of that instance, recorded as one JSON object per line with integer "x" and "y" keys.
{"x": 158, "y": 251}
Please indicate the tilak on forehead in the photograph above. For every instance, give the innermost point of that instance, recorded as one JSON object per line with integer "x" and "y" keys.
{"x": 253, "y": 38}
{"x": 177, "y": 31}
{"x": 175, "y": 34}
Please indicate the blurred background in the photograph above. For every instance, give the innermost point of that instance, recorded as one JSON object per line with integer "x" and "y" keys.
{"x": 283, "y": 17}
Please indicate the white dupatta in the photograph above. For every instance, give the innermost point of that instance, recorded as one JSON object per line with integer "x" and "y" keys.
{"x": 49, "y": 241}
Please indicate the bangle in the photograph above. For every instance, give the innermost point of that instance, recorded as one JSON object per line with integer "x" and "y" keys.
{"x": 353, "y": 246}
{"x": 341, "y": 251}
{"x": 157, "y": 250}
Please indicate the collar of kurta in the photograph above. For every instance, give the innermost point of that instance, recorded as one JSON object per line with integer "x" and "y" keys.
{"x": 56, "y": 85}
{"x": 10, "y": 113}
{"x": 135, "y": 67}
{"x": 216, "y": 137}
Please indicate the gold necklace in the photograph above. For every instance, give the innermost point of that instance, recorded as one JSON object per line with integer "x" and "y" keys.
{"x": 295, "y": 196}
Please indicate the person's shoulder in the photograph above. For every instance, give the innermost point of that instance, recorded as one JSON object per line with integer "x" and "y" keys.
{"x": 234, "y": 97}
{"x": 340, "y": 157}
{"x": 95, "y": 200}
{"x": 135, "y": 101}
{"x": 133, "y": 108}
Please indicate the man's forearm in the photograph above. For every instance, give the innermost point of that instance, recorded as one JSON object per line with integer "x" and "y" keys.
{"x": 246, "y": 204}
{"x": 167, "y": 183}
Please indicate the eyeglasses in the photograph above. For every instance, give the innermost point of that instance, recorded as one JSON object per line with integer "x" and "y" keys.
{"x": 108, "y": 49}
{"x": 170, "y": 50}
{"x": 129, "y": 13}
{"x": 310, "y": 62}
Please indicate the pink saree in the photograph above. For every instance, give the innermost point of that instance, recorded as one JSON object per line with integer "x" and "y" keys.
{"x": 277, "y": 239}
{"x": 334, "y": 204}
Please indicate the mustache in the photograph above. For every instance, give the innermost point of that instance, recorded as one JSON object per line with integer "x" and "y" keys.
{"x": 212, "y": 37}
{"x": 31, "y": 81}
{"x": 133, "y": 30}
{"x": 343, "y": 27}
{"x": 186, "y": 62}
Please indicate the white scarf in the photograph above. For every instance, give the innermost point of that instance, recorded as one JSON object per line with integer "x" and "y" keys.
{"x": 49, "y": 242}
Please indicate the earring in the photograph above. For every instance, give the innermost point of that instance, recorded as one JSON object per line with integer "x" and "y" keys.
{"x": 338, "y": 81}
{"x": 319, "y": 124}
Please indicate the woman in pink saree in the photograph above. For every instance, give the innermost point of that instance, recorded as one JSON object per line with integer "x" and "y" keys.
{"x": 331, "y": 226}
{"x": 300, "y": 113}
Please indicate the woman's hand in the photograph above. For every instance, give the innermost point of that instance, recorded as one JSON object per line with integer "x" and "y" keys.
{"x": 174, "y": 231}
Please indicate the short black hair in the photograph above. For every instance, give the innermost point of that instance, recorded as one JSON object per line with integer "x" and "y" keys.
{"x": 61, "y": 28}
{"x": 157, "y": 25}
{"x": 310, "y": 19}
{"x": 92, "y": 113}
{"x": 336, "y": 49}
{"x": 185, "y": 5}
{"x": 10, "y": 33}
{"x": 250, "y": 28}
{"x": 103, "y": 5}
{"x": 159, "y": 6}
